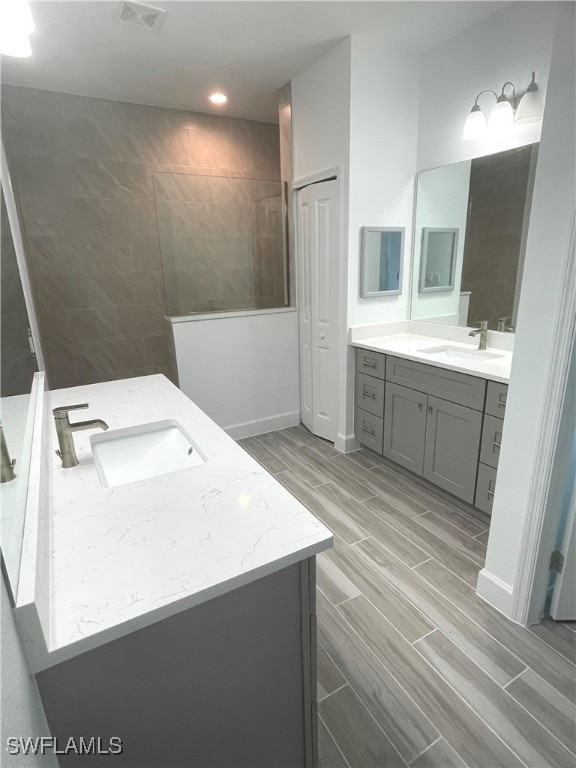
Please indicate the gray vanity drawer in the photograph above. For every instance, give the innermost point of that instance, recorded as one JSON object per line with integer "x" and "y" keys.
{"x": 449, "y": 385}
{"x": 368, "y": 430}
{"x": 485, "y": 488}
{"x": 491, "y": 440}
{"x": 370, "y": 394}
{"x": 496, "y": 395}
{"x": 372, "y": 363}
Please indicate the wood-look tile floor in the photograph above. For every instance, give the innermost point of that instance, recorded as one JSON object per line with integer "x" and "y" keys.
{"x": 413, "y": 668}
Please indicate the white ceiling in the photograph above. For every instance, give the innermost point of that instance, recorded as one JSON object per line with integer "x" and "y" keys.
{"x": 250, "y": 49}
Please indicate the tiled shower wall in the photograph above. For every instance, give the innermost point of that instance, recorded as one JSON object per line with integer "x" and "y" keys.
{"x": 84, "y": 171}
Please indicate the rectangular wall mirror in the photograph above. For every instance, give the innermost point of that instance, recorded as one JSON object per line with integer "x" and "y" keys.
{"x": 381, "y": 258}
{"x": 486, "y": 200}
{"x": 438, "y": 259}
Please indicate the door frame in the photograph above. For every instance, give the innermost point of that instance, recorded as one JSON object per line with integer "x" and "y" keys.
{"x": 333, "y": 173}
{"x": 541, "y": 524}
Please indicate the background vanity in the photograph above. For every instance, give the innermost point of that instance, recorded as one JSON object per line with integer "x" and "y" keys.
{"x": 434, "y": 408}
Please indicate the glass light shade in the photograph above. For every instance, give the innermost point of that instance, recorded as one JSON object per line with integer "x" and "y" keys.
{"x": 475, "y": 125}
{"x": 501, "y": 118}
{"x": 15, "y": 43}
{"x": 531, "y": 107}
{"x": 218, "y": 98}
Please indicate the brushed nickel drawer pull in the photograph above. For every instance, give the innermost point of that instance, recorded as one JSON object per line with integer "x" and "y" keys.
{"x": 371, "y": 396}
{"x": 369, "y": 431}
{"x": 420, "y": 406}
{"x": 369, "y": 362}
{"x": 489, "y": 494}
{"x": 502, "y": 402}
{"x": 496, "y": 445}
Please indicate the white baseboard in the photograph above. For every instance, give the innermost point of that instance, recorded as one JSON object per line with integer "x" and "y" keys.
{"x": 346, "y": 443}
{"x": 496, "y": 592}
{"x": 259, "y": 426}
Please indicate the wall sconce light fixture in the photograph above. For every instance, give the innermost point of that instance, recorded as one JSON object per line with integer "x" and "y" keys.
{"x": 505, "y": 112}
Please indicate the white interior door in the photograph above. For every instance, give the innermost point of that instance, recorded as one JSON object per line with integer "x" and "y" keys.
{"x": 563, "y": 605}
{"x": 318, "y": 298}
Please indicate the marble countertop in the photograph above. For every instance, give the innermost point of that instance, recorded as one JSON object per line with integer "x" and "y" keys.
{"x": 414, "y": 346}
{"x": 124, "y": 557}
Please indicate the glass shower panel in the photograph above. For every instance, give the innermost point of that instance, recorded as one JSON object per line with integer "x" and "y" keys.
{"x": 221, "y": 243}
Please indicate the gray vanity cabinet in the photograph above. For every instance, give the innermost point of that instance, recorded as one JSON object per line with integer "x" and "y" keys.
{"x": 405, "y": 427}
{"x": 434, "y": 438}
{"x": 230, "y": 682}
{"x": 442, "y": 425}
{"x": 495, "y": 409}
{"x": 452, "y": 443}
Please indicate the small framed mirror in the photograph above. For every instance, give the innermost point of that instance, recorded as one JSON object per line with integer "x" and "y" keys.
{"x": 438, "y": 260}
{"x": 381, "y": 259}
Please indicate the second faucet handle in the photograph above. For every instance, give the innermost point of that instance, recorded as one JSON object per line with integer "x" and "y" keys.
{"x": 62, "y": 411}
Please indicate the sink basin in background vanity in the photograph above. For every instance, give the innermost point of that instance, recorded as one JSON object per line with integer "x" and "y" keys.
{"x": 176, "y": 612}
{"x": 434, "y": 408}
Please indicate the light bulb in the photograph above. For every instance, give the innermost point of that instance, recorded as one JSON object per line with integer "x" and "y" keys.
{"x": 16, "y": 23}
{"x": 531, "y": 107}
{"x": 501, "y": 118}
{"x": 218, "y": 97}
{"x": 475, "y": 125}
{"x": 15, "y": 43}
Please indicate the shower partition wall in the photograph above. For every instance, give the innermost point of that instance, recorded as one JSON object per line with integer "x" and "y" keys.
{"x": 221, "y": 243}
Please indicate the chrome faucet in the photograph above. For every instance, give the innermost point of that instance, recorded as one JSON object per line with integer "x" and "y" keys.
{"x": 64, "y": 431}
{"x": 6, "y": 464}
{"x": 483, "y": 332}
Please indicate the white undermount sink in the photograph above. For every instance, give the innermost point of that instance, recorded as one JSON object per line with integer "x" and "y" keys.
{"x": 147, "y": 450}
{"x": 456, "y": 355}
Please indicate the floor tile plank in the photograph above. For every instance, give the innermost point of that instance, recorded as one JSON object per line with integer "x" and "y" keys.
{"x": 399, "y": 611}
{"x": 529, "y": 740}
{"x": 345, "y": 715}
{"x": 483, "y": 538}
{"x": 263, "y": 456}
{"x": 439, "y": 755}
{"x": 329, "y": 676}
{"x": 305, "y": 437}
{"x": 551, "y": 666}
{"x": 380, "y": 486}
{"x": 476, "y": 744}
{"x": 294, "y": 461}
{"x": 329, "y": 755}
{"x": 331, "y": 471}
{"x": 547, "y": 705}
{"x": 365, "y": 459}
{"x": 450, "y": 513}
{"x": 322, "y": 507}
{"x": 487, "y": 652}
{"x": 557, "y": 636}
{"x": 403, "y": 721}
{"x": 458, "y": 563}
{"x": 332, "y": 581}
{"x": 461, "y": 541}
{"x": 388, "y": 536}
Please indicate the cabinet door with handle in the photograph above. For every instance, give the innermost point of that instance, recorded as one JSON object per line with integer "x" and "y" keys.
{"x": 405, "y": 426}
{"x": 452, "y": 446}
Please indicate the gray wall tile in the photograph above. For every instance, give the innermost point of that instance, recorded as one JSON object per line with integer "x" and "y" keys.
{"x": 94, "y": 178}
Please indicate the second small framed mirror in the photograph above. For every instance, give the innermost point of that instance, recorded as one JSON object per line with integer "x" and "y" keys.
{"x": 438, "y": 259}
{"x": 381, "y": 258}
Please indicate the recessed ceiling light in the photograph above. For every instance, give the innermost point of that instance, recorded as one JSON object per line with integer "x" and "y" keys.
{"x": 218, "y": 97}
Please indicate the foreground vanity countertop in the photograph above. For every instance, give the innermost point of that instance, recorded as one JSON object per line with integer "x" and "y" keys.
{"x": 124, "y": 557}
{"x": 413, "y": 346}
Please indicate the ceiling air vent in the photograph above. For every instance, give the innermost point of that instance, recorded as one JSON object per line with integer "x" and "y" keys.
{"x": 141, "y": 15}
